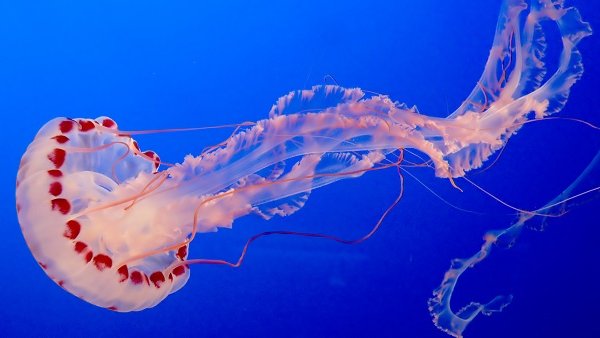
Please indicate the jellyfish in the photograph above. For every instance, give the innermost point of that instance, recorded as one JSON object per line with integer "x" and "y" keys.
{"x": 110, "y": 226}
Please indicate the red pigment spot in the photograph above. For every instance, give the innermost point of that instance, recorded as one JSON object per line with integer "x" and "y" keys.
{"x": 66, "y": 126}
{"x": 182, "y": 252}
{"x": 61, "y": 139}
{"x": 150, "y": 153}
{"x": 61, "y": 205}
{"x": 88, "y": 256}
{"x": 102, "y": 262}
{"x": 136, "y": 277}
{"x": 135, "y": 145}
{"x": 170, "y": 276}
{"x": 157, "y": 278}
{"x": 123, "y": 273}
{"x": 57, "y": 156}
{"x": 55, "y": 173}
{"x": 72, "y": 230}
{"x": 61, "y": 283}
{"x": 80, "y": 246}
{"x": 44, "y": 266}
{"x": 55, "y": 188}
{"x": 85, "y": 125}
{"x": 18, "y": 207}
{"x": 154, "y": 157}
{"x": 108, "y": 123}
{"x": 178, "y": 271}
{"x": 146, "y": 278}
{"x": 112, "y": 308}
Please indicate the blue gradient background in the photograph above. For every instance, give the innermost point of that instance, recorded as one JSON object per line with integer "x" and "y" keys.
{"x": 157, "y": 64}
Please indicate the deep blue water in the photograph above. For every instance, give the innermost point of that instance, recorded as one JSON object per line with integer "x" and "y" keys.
{"x": 156, "y": 64}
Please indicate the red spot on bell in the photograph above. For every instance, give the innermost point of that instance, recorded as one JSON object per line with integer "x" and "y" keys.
{"x": 154, "y": 157}
{"x": 178, "y": 271}
{"x": 57, "y": 156}
{"x": 18, "y": 207}
{"x": 62, "y": 205}
{"x": 123, "y": 273}
{"x": 88, "y": 256}
{"x": 55, "y": 188}
{"x": 61, "y": 139}
{"x": 85, "y": 125}
{"x": 65, "y": 126}
{"x": 157, "y": 278}
{"x": 72, "y": 230}
{"x": 102, "y": 262}
{"x": 55, "y": 173}
{"x": 112, "y": 308}
{"x": 136, "y": 277}
{"x": 80, "y": 246}
{"x": 182, "y": 252}
{"x": 108, "y": 123}
{"x": 150, "y": 154}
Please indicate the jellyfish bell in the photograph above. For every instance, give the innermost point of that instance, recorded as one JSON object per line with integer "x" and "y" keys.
{"x": 67, "y": 180}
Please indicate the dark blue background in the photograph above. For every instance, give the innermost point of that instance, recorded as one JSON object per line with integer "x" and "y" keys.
{"x": 158, "y": 64}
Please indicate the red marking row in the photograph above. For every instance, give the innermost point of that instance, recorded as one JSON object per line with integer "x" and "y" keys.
{"x": 73, "y": 227}
{"x": 83, "y": 125}
{"x": 55, "y": 188}
{"x": 157, "y": 278}
{"x": 103, "y": 262}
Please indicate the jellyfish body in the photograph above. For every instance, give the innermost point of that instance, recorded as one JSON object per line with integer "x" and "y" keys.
{"x": 110, "y": 228}
{"x": 65, "y": 172}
